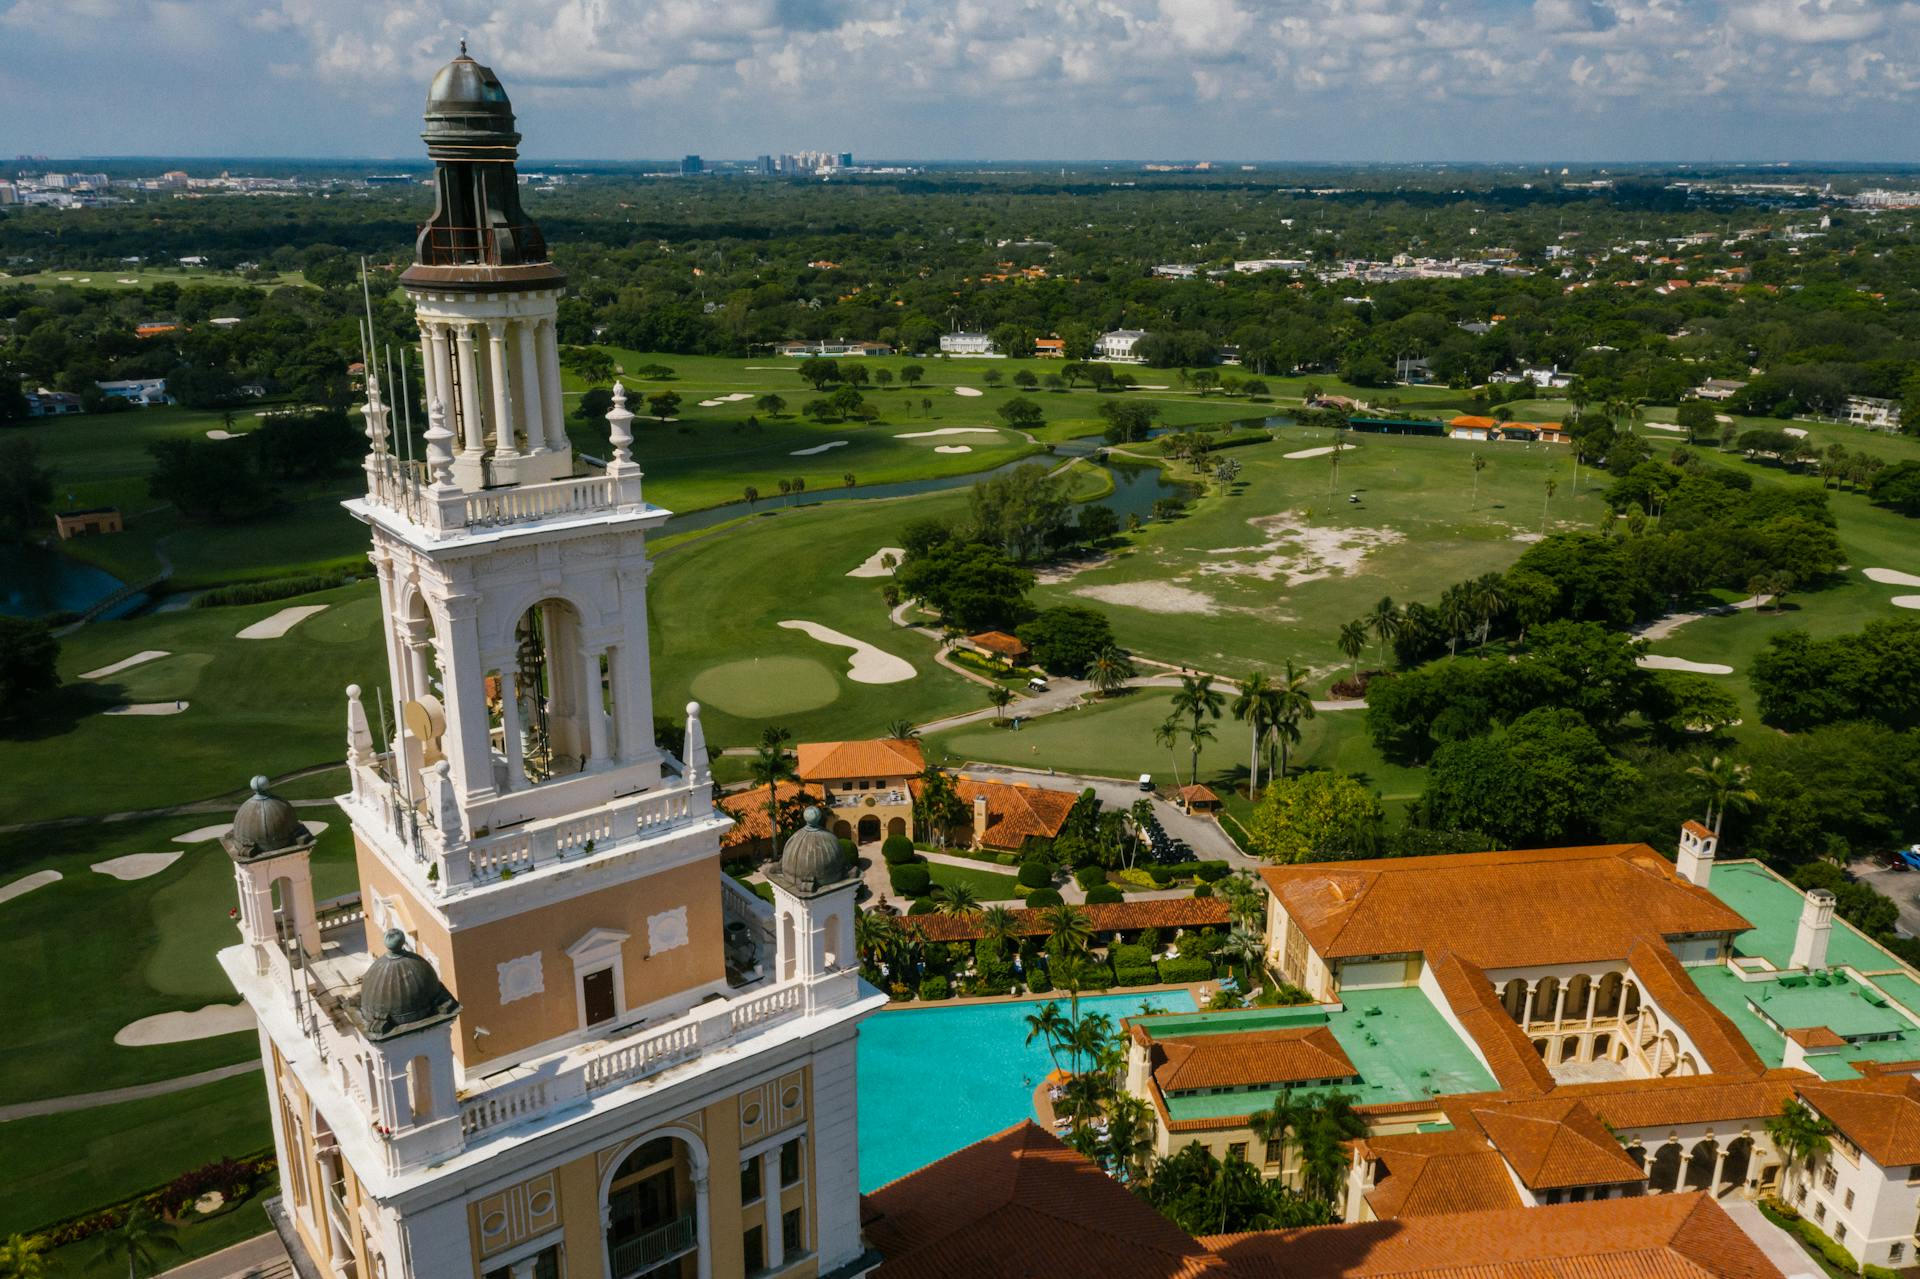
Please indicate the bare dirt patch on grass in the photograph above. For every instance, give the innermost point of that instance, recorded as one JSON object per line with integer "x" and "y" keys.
{"x": 1152, "y": 597}
{"x": 1300, "y": 552}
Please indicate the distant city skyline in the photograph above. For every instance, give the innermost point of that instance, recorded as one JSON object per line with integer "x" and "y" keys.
{"x": 1566, "y": 81}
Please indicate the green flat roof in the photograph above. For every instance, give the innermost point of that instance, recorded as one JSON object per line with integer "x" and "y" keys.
{"x": 1842, "y": 1005}
{"x": 1774, "y": 907}
{"x": 1729, "y": 994}
{"x": 1399, "y": 1043}
{"x": 1902, "y": 989}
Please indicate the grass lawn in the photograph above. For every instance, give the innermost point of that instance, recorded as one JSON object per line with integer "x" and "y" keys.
{"x": 197, "y": 1237}
{"x": 127, "y": 277}
{"x": 75, "y": 983}
{"x": 1246, "y": 580}
{"x": 986, "y": 885}
{"x": 254, "y": 706}
{"x": 57, "y": 1165}
{"x": 716, "y": 603}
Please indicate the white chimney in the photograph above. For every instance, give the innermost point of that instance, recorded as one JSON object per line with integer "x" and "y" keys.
{"x": 1697, "y": 847}
{"x": 1816, "y": 925}
{"x": 979, "y": 819}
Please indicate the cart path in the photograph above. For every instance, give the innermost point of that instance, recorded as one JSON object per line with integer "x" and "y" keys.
{"x": 133, "y": 1092}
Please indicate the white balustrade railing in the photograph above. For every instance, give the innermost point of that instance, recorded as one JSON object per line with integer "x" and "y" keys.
{"x": 648, "y": 1055}
{"x": 558, "y": 839}
{"x": 500, "y": 1107}
{"x": 522, "y": 503}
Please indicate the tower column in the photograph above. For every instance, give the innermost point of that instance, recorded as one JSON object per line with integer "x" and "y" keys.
{"x": 510, "y": 739}
{"x": 473, "y": 441}
{"x": 526, "y": 339}
{"x": 554, "y": 410}
{"x": 432, "y": 353}
{"x": 470, "y": 751}
{"x": 632, "y": 689}
{"x": 595, "y": 707}
{"x": 1593, "y": 998}
{"x": 1526, "y": 1014}
{"x": 505, "y": 443}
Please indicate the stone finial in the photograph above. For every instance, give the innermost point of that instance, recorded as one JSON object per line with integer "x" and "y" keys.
{"x": 696, "y": 751}
{"x": 439, "y": 441}
{"x": 359, "y": 735}
{"x": 444, "y": 803}
{"x": 620, "y": 433}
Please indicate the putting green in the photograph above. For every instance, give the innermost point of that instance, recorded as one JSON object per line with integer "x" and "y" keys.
{"x": 759, "y": 686}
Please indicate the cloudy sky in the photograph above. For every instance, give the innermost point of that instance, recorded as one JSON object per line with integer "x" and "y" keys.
{"x": 982, "y": 79}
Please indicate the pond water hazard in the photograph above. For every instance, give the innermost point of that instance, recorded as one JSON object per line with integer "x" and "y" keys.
{"x": 37, "y": 580}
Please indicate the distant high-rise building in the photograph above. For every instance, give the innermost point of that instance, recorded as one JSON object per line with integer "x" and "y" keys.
{"x": 846, "y": 159}
{"x": 766, "y": 164}
{"x": 691, "y": 165}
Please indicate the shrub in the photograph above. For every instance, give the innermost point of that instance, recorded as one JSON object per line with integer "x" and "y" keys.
{"x": 911, "y": 880}
{"x": 1135, "y": 975}
{"x": 898, "y": 850}
{"x": 934, "y": 987}
{"x": 1007, "y": 859}
{"x": 1043, "y": 897}
{"x": 1879, "y": 1272}
{"x": 1096, "y": 978}
{"x": 1211, "y": 872}
{"x": 1038, "y": 982}
{"x": 265, "y": 592}
{"x": 1181, "y": 972}
{"x": 1817, "y": 1239}
{"x": 1104, "y": 895}
{"x": 1203, "y": 890}
{"x": 923, "y": 906}
{"x": 1149, "y": 940}
{"x": 1162, "y": 875}
{"x": 1035, "y": 874}
{"x": 1088, "y": 876}
{"x": 1129, "y": 956}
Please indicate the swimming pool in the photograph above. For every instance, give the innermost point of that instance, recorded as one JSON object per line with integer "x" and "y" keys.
{"x": 934, "y": 1079}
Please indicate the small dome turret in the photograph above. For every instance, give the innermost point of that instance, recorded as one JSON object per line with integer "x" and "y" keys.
{"x": 401, "y": 992}
{"x": 264, "y": 823}
{"x": 813, "y": 857}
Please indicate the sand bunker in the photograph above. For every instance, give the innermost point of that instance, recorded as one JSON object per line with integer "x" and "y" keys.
{"x": 1150, "y": 386}
{"x": 818, "y": 448}
{"x": 868, "y": 665}
{"x": 280, "y": 623}
{"x": 1662, "y": 426}
{"x": 872, "y": 567}
{"x": 135, "y": 865}
{"x": 1654, "y": 662}
{"x": 179, "y": 1028}
{"x": 1890, "y": 577}
{"x": 1797, "y": 431}
{"x": 736, "y": 397}
{"x": 1906, "y": 601}
{"x": 1299, "y": 453}
{"x": 1152, "y": 597}
{"x": 950, "y": 430}
{"x": 27, "y": 883}
{"x": 126, "y": 663}
{"x": 967, "y": 391}
{"x": 218, "y": 434}
{"x": 953, "y": 448}
{"x": 1301, "y": 552}
{"x": 711, "y": 404}
{"x": 126, "y": 279}
{"x": 146, "y": 708}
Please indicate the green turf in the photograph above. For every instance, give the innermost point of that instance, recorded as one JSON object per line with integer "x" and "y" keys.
{"x": 759, "y": 687}
{"x": 986, "y": 885}
{"x": 196, "y": 1237}
{"x": 115, "y": 278}
{"x": 60, "y": 1164}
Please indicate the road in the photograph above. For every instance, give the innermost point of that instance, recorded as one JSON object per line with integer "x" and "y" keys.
{"x": 1903, "y": 886}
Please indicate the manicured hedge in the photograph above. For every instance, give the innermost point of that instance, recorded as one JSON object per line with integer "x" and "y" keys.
{"x": 1203, "y": 890}
{"x": 1127, "y": 955}
{"x": 898, "y": 850}
{"x": 1007, "y": 859}
{"x": 1104, "y": 895}
{"x": 1180, "y": 972}
{"x": 1135, "y": 975}
{"x": 1211, "y": 872}
{"x": 923, "y": 906}
{"x": 934, "y": 987}
{"x": 1038, "y": 982}
{"x": 1036, "y": 875}
{"x": 1088, "y": 876}
{"x": 1162, "y": 875}
{"x": 911, "y": 880}
{"x": 1043, "y": 897}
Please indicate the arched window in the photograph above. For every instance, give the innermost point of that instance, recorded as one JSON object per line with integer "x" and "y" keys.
{"x": 420, "y": 1089}
{"x": 830, "y": 941}
{"x": 789, "y": 949}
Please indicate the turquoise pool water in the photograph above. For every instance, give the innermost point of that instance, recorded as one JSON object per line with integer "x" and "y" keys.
{"x": 935, "y": 1079}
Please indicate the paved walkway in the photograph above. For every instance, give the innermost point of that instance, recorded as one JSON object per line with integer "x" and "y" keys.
{"x": 1661, "y": 627}
{"x": 1782, "y": 1250}
{"x": 261, "y": 1255}
{"x": 136, "y": 1092}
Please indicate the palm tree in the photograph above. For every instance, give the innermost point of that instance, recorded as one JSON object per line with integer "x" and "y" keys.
{"x": 902, "y": 730}
{"x": 1799, "y": 1133}
{"x": 1242, "y": 948}
{"x": 958, "y": 899}
{"x": 1109, "y": 670}
{"x": 1386, "y": 622}
{"x": 1271, "y": 1127}
{"x": 1048, "y": 1024}
{"x": 23, "y": 1257}
{"x": 998, "y": 924}
{"x": 1552, "y": 484}
{"x": 1167, "y": 734}
{"x": 1139, "y": 818}
{"x": 1456, "y": 614}
{"x": 1129, "y": 1143}
{"x": 1293, "y": 702}
{"x": 1487, "y": 596}
{"x": 1068, "y": 929}
{"x": 874, "y": 937}
{"x": 1353, "y": 642}
{"x": 1323, "y": 1142}
{"x": 1479, "y": 465}
{"x": 1726, "y": 785}
{"x": 999, "y": 695}
{"x": 136, "y": 1238}
{"x": 769, "y": 768}
{"x": 1198, "y": 700}
{"x": 1254, "y": 707}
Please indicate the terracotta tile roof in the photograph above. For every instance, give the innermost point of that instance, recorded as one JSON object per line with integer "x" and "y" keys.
{"x": 749, "y": 810}
{"x": 999, "y": 642}
{"x": 1664, "y": 980}
{"x": 1113, "y": 917}
{"x": 1508, "y": 1052}
{"x": 1574, "y": 1149}
{"x": 1695, "y": 828}
{"x": 1198, "y": 795}
{"x": 1250, "y": 1058}
{"x": 1880, "y": 1114}
{"x": 1684, "y": 1236}
{"x": 1438, "y": 1172}
{"x": 1020, "y": 1205}
{"x": 879, "y": 757}
{"x": 1517, "y": 909}
{"x": 1664, "y": 1103}
{"x": 1472, "y": 420}
{"x": 1816, "y": 1037}
{"x": 1016, "y": 814}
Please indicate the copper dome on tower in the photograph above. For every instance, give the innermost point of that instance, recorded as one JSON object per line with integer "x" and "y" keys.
{"x": 401, "y": 992}
{"x": 813, "y": 858}
{"x": 264, "y": 823}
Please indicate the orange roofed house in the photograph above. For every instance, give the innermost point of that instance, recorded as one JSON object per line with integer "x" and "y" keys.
{"x": 1004, "y": 816}
{"x": 864, "y": 785}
